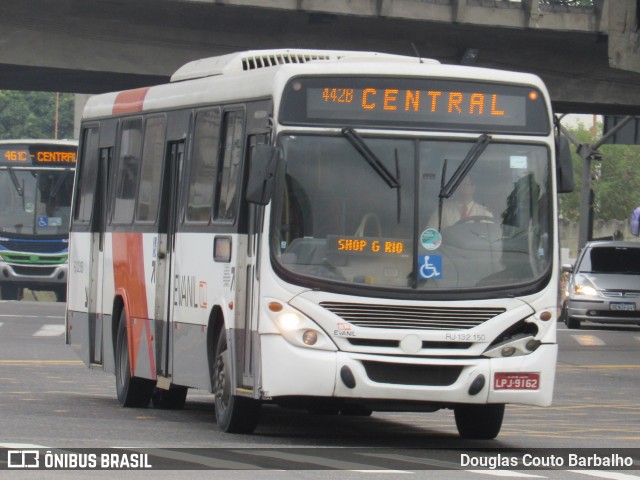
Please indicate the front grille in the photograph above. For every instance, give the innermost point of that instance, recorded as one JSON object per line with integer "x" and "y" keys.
{"x": 406, "y": 317}
{"x": 34, "y": 246}
{"x": 375, "y": 342}
{"x": 33, "y": 259}
{"x": 33, "y": 271}
{"x": 621, "y": 293}
{"x": 405, "y": 374}
{"x": 614, "y": 313}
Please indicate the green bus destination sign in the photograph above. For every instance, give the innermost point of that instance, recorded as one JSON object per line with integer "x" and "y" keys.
{"x": 415, "y": 103}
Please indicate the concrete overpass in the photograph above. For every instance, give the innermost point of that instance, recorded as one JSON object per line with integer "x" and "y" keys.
{"x": 587, "y": 55}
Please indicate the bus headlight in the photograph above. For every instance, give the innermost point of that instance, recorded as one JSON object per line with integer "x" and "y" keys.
{"x": 300, "y": 331}
{"x": 517, "y": 340}
{"x": 514, "y": 348}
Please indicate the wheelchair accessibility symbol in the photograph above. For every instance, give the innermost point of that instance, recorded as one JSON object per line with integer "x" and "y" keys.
{"x": 429, "y": 266}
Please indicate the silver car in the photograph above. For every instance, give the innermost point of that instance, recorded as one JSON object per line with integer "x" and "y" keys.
{"x": 604, "y": 284}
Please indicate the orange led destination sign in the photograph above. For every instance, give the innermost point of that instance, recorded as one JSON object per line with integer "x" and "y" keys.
{"x": 392, "y": 100}
{"x": 366, "y": 245}
{"x": 415, "y": 103}
{"x": 38, "y": 155}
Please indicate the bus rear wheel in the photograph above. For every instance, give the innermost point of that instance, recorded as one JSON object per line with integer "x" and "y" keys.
{"x": 480, "y": 422}
{"x": 132, "y": 391}
{"x": 234, "y": 414}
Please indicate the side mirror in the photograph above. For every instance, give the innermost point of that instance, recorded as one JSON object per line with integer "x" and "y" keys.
{"x": 567, "y": 268}
{"x": 262, "y": 172}
{"x": 564, "y": 165}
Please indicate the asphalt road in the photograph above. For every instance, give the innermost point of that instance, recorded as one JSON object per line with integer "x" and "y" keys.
{"x": 49, "y": 399}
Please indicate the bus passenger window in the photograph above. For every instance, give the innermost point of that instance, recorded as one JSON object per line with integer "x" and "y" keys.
{"x": 128, "y": 171}
{"x": 230, "y": 167}
{"x": 88, "y": 176}
{"x": 151, "y": 170}
{"x": 203, "y": 165}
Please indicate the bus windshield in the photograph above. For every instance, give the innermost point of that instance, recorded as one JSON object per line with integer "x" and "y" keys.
{"x": 35, "y": 201}
{"x": 337, "y": 219}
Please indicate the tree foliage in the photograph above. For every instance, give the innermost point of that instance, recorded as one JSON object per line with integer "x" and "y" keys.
{"x": 614, "y": 180}
{"x": 32, "y": 115}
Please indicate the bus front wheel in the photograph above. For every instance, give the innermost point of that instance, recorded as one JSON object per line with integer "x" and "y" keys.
{"x": 234, "y": 414}
{"x": 10, "y": 292}
{"x": 132, "y": 391}
{"x": 482, "y": 422}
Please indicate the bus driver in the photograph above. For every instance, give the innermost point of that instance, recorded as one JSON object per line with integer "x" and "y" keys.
{"x": 460, "y": 206}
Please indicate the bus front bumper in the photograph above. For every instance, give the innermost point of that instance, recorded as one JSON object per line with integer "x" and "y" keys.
{"x": 294, "y": 371}
{"x": 33, "y": 275}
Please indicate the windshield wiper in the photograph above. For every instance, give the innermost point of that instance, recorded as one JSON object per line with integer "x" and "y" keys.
{"x": 15, "y": 181}
{"x": 467, "y": 164}
{"x": 358, "y": 143}
{"x": 449, "y": 188}
{"x": 61, "y": 178}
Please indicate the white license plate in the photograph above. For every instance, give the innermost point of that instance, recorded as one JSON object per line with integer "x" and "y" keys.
{"x": 625, "y": 306}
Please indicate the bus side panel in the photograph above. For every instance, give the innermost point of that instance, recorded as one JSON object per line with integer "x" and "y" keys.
{"x": 133, "y": 269}
{"x": 106, "y": 302}
{"x": 78, "y": 291}
{"x": 198, "y": 284}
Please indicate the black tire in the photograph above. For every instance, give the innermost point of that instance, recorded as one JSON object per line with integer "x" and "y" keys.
{"x": 234, "y": 414}
{"x": 61, "y": 294}
{"x": 10, "y": 292}
{"x": 572, "y": 323}
{"x": 172, "y": 399}
{"x": 132, "y": 391}
{"x": 356, "y": 410}
{"x": 480, "y": 422}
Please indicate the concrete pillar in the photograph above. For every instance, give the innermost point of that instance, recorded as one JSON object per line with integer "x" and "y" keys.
{"x": 624, "y": 41}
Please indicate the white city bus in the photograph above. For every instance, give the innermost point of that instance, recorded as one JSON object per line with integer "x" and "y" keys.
{"x": 272, "y": 227}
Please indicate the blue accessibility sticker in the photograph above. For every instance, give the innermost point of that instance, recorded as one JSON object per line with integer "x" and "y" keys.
{"x": 429, "y": 266}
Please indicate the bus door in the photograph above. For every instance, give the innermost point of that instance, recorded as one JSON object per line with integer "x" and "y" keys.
{"x": 164, "y": 252}
{"x": 249, "y": 352}
{"x": 95, "y": 296}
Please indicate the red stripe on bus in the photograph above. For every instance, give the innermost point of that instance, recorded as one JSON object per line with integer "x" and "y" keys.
{"x": 128, "y": 273}
{"x": 130, "y": 101}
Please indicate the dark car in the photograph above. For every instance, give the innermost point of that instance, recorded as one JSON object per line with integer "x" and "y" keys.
{"x": 604, "y": 284}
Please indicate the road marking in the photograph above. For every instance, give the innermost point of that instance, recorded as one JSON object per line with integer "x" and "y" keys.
{"x": 44, "y": 362}
{"x": 505, "y": 473}
{"x": 21, "y": 445}
{"x": 50, "y": 331}
{"x": 588, "y": 340}
{"x": 448, "y": 465}
{"x": 325, "y": 462}
{"x": 609, "y": 475}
